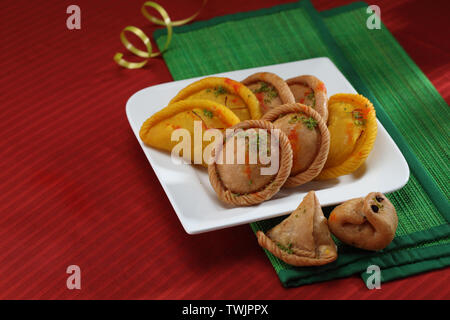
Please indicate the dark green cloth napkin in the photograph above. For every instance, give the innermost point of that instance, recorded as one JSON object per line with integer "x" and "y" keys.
{"x": 407, "y": 104}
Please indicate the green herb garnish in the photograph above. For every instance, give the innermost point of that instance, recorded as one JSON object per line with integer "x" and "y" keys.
{"x": 312, "y": 97}
{"x": 272, "y": 94}
{"x": 358, "y": 116}
{"x": 310, "y": 122}
{"x": 220, "y": 90}
{"x": 208, "y": 113}
{"x": 294, "y": 119}
{"x": 263, "y": 88}
{"x": 269, "y": 91}
{"x": 287, "y": 249}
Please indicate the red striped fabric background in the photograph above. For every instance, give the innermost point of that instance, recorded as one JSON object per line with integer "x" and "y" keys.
{"x": 75, "y": 188}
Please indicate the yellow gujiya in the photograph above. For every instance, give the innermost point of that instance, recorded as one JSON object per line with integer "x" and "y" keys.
{"x": 157, "y": 131}
{"x": 353, "y": 130}
{"x": 232, "y": 94}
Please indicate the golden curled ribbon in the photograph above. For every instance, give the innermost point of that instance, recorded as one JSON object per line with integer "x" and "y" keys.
{"x": 165, "y": 21}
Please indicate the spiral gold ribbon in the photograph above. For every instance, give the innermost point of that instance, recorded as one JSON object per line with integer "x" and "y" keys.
{"x": 165, "y": 21}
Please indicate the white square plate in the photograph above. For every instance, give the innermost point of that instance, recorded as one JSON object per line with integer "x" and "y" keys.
{"x": 188, "y": 187}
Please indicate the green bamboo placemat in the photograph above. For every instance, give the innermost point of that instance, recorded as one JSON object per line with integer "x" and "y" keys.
{"x": 418, "y": 259}
{"x": 406, "y": 85}
{"x": 409, "y": 269}
{"x": 295, "y": 32}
